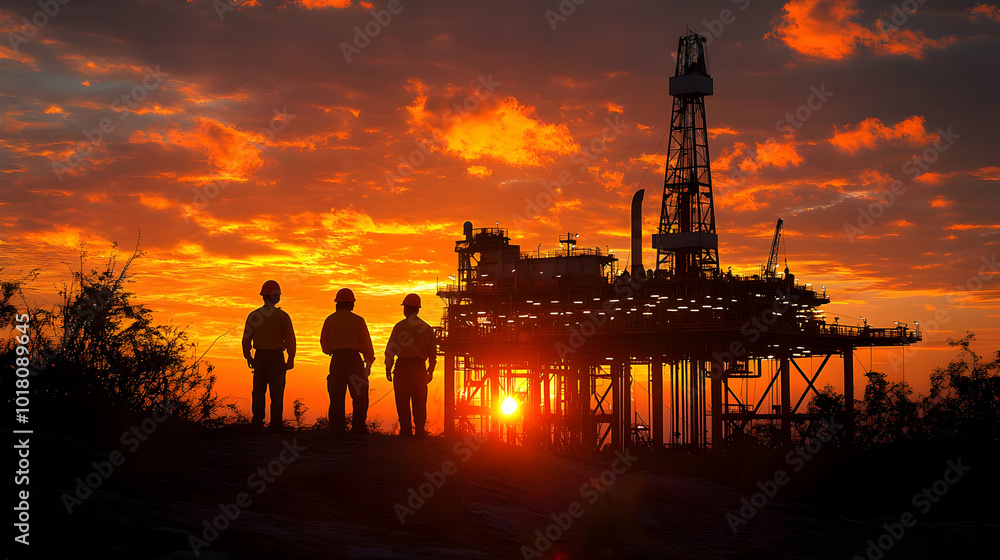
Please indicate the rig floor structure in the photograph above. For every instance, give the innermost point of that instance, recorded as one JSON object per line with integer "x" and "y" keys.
{"x": 561, "y": 333}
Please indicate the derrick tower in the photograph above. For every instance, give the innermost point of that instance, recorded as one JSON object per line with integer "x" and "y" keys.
{"x": 686, "y": 243}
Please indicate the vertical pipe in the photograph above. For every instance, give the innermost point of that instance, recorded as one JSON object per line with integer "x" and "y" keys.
{"x": 657, "y": 400}
{"x": 587, "y": 390}
{"x": 696, "y": 402}
{"x": 449, "y": 394}
{"x": 547, "y": 376}
{"x": 626, "y": 403}
{"x": 675, "y": 409}
{"x": 636, "y": 254}
{"x": 718, "y": 438}
{"x": 685, "y": 394}
{"x": 786, "y": 404}
{"x": 491, "y": 403}
{"x": 616, "y": 403}
{"x": 849, "y": 395}
{"x": 536, "y": 378}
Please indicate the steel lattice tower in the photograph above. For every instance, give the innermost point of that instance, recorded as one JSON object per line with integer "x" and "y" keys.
{"x": 686, "y": 244}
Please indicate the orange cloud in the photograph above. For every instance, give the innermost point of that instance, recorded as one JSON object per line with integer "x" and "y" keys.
{"x": 870, "y": 132}
{"x": 320, "y": 4}
{"x": 963, "y": 227}
{"x": 720, "y": 130}
{"x": 777, "y": 154}
{"x": 746, "y": 198}
{"x": 235, "y": 154}
{"x": 64, "y": 237}
{"x": 828, "y": 29}
{"x": 987, "y": 11}
{"x": 509, "y": 131}
{"x": 932, "y": 178}
{"x": 988, "y": 173}
{"x": 610, "y": 180}
{"x": 156, "y": 202}
{"x": 940, "y": 202}
{"x": 749, "y": 160}
{"x": 479, "y": 171}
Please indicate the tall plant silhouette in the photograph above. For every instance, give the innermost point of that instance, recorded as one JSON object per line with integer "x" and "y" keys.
{"x": 98, "y": 352}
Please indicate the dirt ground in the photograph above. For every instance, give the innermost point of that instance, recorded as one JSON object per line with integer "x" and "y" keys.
{"x": 186, "y": 495}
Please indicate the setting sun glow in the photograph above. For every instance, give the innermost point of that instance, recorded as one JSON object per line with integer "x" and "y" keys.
{"x": 509, "y": 406}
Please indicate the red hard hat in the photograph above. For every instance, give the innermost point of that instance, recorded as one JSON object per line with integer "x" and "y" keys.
{"x": 270, "y": 288}
{"x": 412, "y": 300}
{"x": 345, "y": 294}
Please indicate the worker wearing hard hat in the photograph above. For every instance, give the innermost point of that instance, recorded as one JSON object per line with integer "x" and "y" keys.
{"x": 268, "y": 330}
{"x": 346, "y": 340}
{"x": 411, "y": 346}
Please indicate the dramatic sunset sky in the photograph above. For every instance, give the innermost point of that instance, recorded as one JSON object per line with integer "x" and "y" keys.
{"x": 267, "y": 139}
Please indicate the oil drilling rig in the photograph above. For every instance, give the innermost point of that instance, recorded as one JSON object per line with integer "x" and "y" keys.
{"x": 540, "y": 348}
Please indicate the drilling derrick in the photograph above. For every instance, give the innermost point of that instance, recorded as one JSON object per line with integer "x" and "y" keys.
{"x": 686, "y": 244}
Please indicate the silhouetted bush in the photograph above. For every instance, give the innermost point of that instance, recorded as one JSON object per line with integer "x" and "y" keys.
{"x": 963, "y": 405}
{"x": 98, "y": 356}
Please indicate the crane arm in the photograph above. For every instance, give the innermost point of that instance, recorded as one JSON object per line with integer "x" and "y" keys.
{"x": 772, "y": 259}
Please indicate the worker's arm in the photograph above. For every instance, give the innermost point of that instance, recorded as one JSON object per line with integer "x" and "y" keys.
{"x": 391, "y": 349}
{"x": 367, "y": 350}
{"x": 324, "y": 338}
{"x": 432, "y": 355}
{"x": 288, "y": 333}
{"x": 431, "y": 364}
{"x": 248, "y": 342}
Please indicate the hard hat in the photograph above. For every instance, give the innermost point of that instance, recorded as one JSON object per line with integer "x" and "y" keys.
{"x": 412, "y": 300}
{"x": 270, "y": 288}
{"x": 345, "y": 294}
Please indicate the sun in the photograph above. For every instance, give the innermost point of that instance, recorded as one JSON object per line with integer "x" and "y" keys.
{"x": 509, "y": 406}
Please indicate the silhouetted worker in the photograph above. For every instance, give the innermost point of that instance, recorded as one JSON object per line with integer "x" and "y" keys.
{"x": 269, "y": 331}
{"x": 346, "y": 340}
{"x": 411, "y": 344}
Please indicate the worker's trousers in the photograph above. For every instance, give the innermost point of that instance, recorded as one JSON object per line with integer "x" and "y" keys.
{"x": 268, "y": 373}
{"x": 409, "y": 381}
{"x": 347, "y": 373}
